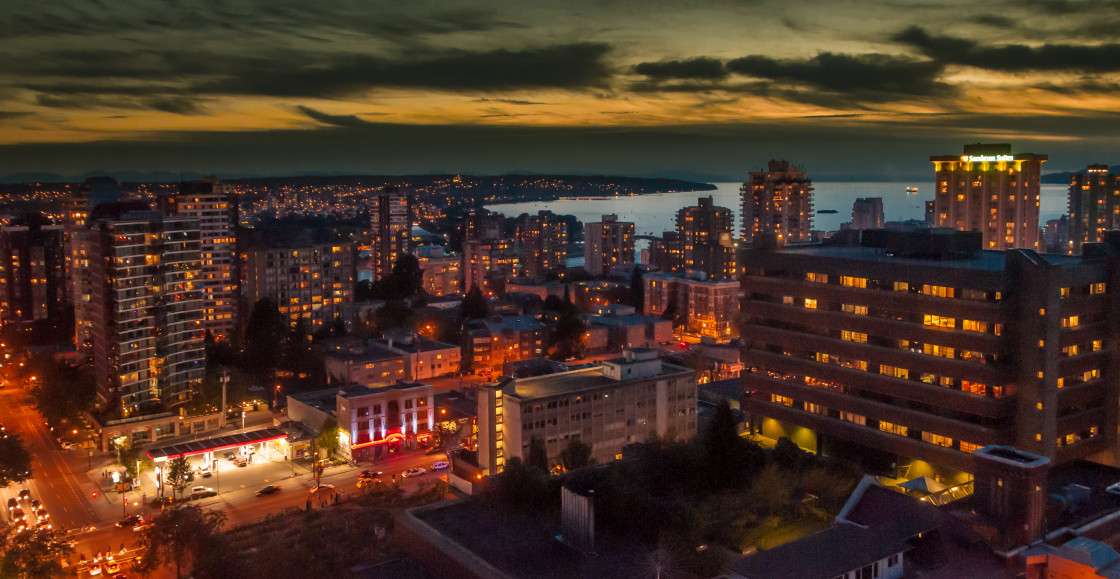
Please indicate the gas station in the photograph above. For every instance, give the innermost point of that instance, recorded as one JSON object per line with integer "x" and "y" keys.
{"x": 243, "y": 444}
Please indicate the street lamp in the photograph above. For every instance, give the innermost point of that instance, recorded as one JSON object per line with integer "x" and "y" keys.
{"x": 242, "y": 419}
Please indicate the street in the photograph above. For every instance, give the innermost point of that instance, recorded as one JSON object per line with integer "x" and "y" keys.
{"x": 71, "y": 487}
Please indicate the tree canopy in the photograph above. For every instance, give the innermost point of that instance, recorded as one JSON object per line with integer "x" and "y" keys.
{"x": 177, "y": 537}
{"x": 15, "y": 460}
{"x": 328, "y": 438}
{"x": 475, "y": 305}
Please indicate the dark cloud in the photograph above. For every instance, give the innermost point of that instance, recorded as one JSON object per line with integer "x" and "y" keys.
{"x": 325, "y": 75}
{"x": 507, "y": 101}
{"x": 568, "y": 66}
{"x": 997, "y": 21}
{"x": 1012, "y": 57}
{"x": 1082, "y": 87}
{"x": 866, "y": 76}
{"x": 176, "y": 104}
{"x": 387, "y": 21}
{"x": 1067, "y": 7}
{"x": 691, "y": 69}
{"x": 334, "y": 120}
{"x": 4, "y": 115}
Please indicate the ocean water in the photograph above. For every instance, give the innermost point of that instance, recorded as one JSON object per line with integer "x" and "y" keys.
{"x": 656, "y": 213}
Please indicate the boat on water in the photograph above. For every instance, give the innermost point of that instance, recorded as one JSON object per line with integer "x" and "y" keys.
{"x": 911, "y": 190}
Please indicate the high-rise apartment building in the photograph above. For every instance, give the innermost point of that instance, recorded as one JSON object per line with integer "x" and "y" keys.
{"x": 93, "y": 192}
{"x": 663, "y": 252}
{"x": 867, "y": 213}
{"x": 703, "y": 307}
{"x": 214, "y": 206}
{"x": 391, "y": 219}
{"x": 990, "y": 190}
{"x": 543, "y": 241}
{"x": 1094, "y": 205}
{"x": 487, "y": 264}
{"x": 312, "y": 283}
{"x": 482, "y": 224}
{"x": 706, "y": 240}
{"x": 32, "y": 272}
{"x": 442, "y": 272}
{"x": 922, "y": 345}
{"x": 146, "y": 302}
{"x": 607, "y": 243}
{"x": 778, "y": 202}
{"x": 620, "y": 401}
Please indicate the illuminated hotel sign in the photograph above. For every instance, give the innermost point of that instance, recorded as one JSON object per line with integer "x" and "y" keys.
{"x": 987, "y": 158}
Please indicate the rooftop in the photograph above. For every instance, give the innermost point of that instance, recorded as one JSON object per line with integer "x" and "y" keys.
{"x": 835, "y": 551}
{"x": 368, "y": 353}
{"x": 986, "y": 260}
{"x": 416, "y": 344}
{"x": 573, "y": 381}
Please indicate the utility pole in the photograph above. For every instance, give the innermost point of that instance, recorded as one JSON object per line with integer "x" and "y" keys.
{"x": 224, "y": 379}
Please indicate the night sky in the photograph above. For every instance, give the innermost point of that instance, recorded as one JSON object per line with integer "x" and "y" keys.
{"x": 638, "y": 87}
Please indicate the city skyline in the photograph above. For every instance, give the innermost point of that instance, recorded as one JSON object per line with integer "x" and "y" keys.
{"x": 713, "y": 89}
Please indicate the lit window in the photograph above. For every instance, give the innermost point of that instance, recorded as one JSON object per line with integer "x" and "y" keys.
{"x": 939, "y": 321}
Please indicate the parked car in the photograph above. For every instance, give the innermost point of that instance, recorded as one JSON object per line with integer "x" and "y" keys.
{"x": 433, "y": 450}
{"x": 112, "y": 568}
{"x": 130, "y": 521}
{"x": 414, "y": 472}
{"x": 66, "y": 445}
{"x": 231, "y": 456}
{"x": 268, "y": 490}
{"x": 440, "y": 465}
{"x": 240, "y": 462}
{"x": 200, "y": 491}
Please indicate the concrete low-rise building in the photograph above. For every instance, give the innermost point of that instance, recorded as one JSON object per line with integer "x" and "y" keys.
{"x": 424, "y": 358}
{"x": 373, "y": 422}
{"x": 703, "y": 307}
{"x": 626, "y": 329}
{"x": 491, "y": 343}
{"x": 607, "y": 406}
{"x": 366, "y": 364}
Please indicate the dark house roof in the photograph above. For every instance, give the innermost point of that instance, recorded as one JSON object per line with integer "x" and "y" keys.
{"x": 824, "y": 555}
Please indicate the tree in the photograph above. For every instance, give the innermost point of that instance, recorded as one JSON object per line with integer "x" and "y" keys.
{"x": 180, "y": 475}
{"x": 538, "y": 454}
{"x": 637, "y": 289}
{"x": 61, "y": 392}
{"x": 727, "y": 457}
{"x": 569, "y": 332}
{"x": 34, "y": 554}
{"x": 394, "y": 315}
{"x": 446, "y": 435}
{"x": 128, "y": 456}
{"x": 475, "y": 306}
{"x": 576, "y": 455}
{"x": 177, "y": 536}
{"x": 264, "y": 335}
{"x": 15, "y": 460}
{"x": 328, "y": 438}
